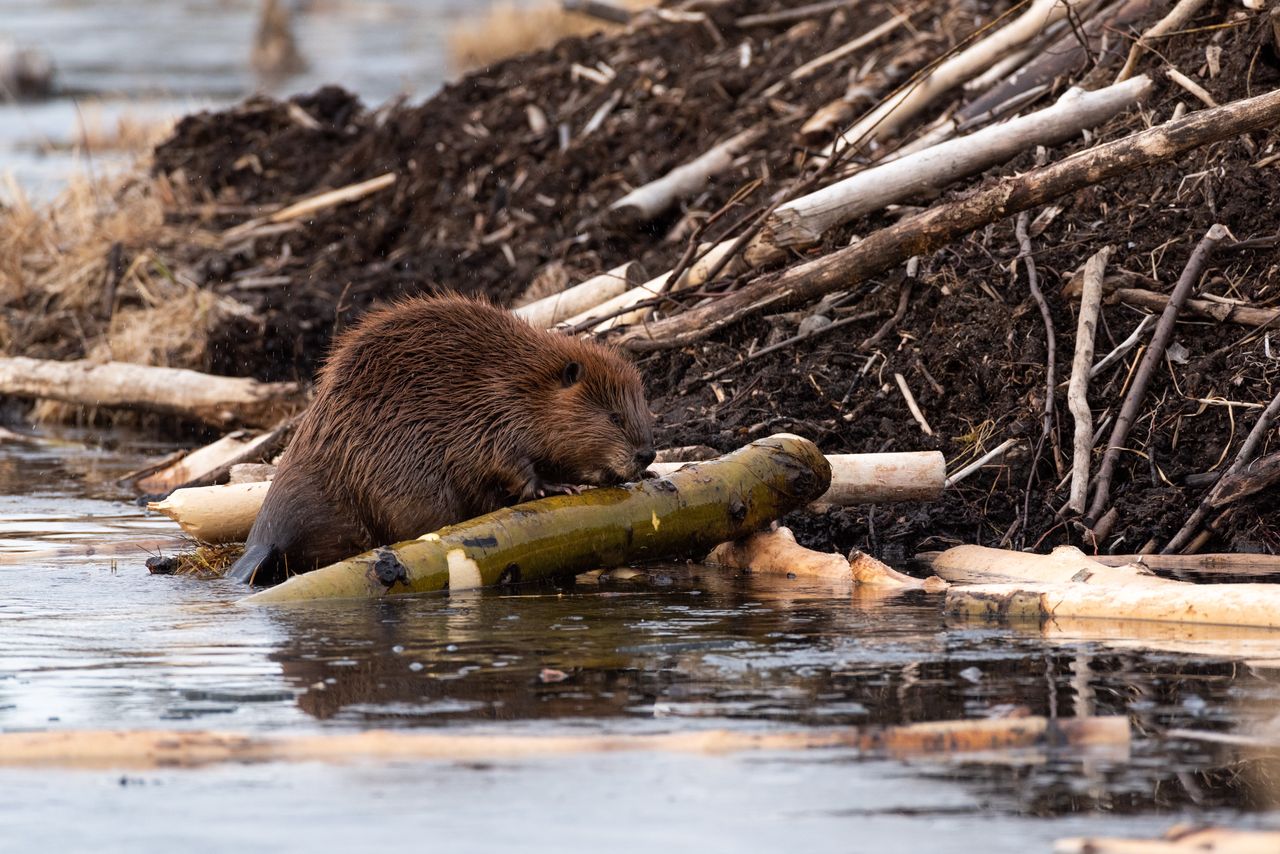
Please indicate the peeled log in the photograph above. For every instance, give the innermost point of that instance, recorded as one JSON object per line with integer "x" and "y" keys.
{"x": 142, "y": 749}
{"x": 855, "y": 479}
{"x": 1066, "y": 583}
{"x": 215, "y": 514}
{"x": 685, "y": 513}
{"x": 550, "y": 310}
{"x": 777, "y": 552}
{"x": 216, "y": 400}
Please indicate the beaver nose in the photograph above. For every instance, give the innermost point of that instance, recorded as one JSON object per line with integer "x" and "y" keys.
{"x": 644, "y": 457}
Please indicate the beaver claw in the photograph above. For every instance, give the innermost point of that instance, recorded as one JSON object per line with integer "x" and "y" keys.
{"x": 560, "y": 489}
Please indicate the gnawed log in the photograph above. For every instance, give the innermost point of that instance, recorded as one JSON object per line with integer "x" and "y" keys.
{"x": 221, "y": 401}
{"x": 807, "y": 218}
{"x": 211, "y": 464}
{"x": 215, "y": 514}
{"x": 648, "y": 201}
{"x": 1180, "y": 840}
{"x": 855, "y": 479}
{"x": 1066, "y": 583}
{"x": 550, "y": 310}
{"x": 143, "y": 749}
{"x": 777, "y": 552}
{"x": 921, "y": 234}
{"x": 684, "y": 514}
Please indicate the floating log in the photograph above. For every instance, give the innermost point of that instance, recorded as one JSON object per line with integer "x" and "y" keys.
{"x": 215, "y": 514}
{"x": 855, "y": 479}
{"x": 550, "y": 310}
{"x": 777, "y": 552}
{"x": 1019, "y": 586}
{"x": 807, "y": 218}
{"x": 1181, "y": 840}
{"x": 686, "y": 513}
{"x": 925, "y": 232}
{"x": 144, "y": 749}
{"x": 221, "y": 401}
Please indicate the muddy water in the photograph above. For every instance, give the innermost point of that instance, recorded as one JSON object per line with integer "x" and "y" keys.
{"x": 93, "y": 641}
{"x": 158, "y": 58}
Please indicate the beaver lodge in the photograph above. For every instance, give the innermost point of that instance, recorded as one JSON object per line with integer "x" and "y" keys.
{"x": 871, "y": 226}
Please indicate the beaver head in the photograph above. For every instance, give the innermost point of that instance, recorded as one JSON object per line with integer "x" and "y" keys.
{"x": 599, "y": 426}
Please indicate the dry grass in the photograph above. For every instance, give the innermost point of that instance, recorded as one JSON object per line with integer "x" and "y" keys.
{"x": 510, "y": 28}
{"x": 203, "y": 561}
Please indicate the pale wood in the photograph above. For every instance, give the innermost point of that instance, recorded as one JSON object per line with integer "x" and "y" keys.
{"x": 1177, "y": 18}
{"x": 855, "y": 44}
{"x": 1208, "y": 840}
{"x": 1239, "y": 315}
{"x": 215, "y": 514}
{"x": 925, "y": 232}
{"x": 216, "y": 400}
{"x": 153, "y": 749}
{"x": 1066, "y": 583}
{"x": 651, "y": 199}
{"x": 900, "y": 108}
{"x": 227, "y": 515}
{"x": 1200, "y": 564}
{"x": 197, "y": 464}
{"x": 555, "y": 308}
{"x": 1078, "y": 387}
{"x": 313, "y": 205}
{"x": 807, "y": 218}
{"x": 776, "y": 552}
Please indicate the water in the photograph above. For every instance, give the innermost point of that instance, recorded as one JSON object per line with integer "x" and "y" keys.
{"x": 151, "y": 59}
{"x": 95, "y": 642}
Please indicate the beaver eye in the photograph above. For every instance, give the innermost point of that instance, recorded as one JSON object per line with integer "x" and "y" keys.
{"x": 616, "y": 419}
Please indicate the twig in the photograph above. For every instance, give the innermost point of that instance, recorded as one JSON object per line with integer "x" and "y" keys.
{"x": 1191, "y": 86}
{"x": 1051, "y": 370}
{"x": 1146, "y": 370}
{"x": 912, "y": 405}
{"x": 1124, "y": 346}
{"x": 1078, "y": 390}
{"x": 1248, "y": 450}
{"x": 849, "y": 47}
{"x": 904, "y": 299}
{"x": 1177, "y": 17}
{"x": 799, "y": 13}
{"x": 785, "y": 343}
{"x": 995, "y": 453}
{"x": 314, "y": 204}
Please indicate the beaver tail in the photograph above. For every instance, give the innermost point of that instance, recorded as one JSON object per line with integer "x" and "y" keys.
{"x": 261, "y": 563}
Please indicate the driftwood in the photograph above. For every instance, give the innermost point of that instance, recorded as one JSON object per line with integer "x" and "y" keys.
{"x": 805, "y": 219}
{"x": 646, "y": 202}
{"x": 221, "y": 401}
{"x": 686, "y": 513}
{"x": 777, "y": 552}
{"x": 927, "y": 231}
{"x": 214, "y": 514}
{"x": 1152, "y": 359}
{"x": 550, "y": 310}
{"x": 217, "y": 514}
{"x": 993, "y": 583}
{"x": 1180, "y": 840}
{"x": 1078, "y": 388}
{"x": 143, "y": 749}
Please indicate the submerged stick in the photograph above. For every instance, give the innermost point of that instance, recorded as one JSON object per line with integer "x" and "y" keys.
{"x": 1147, "y": 368}
{"x": 189, "y": 749}
{"x": 221, "y": 401}
{"x": 685, "y": 513}
{"x": 938, "y": 226}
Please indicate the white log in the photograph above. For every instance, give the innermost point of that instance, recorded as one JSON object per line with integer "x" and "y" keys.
{"x": 215, "y": 514}
{"x": 1078, "y": 388}
{"x": 648, "y": 201}
{"x": 173, "y": 391}
{"x": 1066, "y": 583}
{"x": 550, "y": 310}
{"x": 898, "y": 109}
{"x": 805, "y": 219}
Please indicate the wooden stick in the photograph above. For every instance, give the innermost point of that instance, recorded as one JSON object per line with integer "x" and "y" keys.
{"x": 860, "y": 317}
{"x": 1146, "y": 369}
{"x": 805, "y": 219}
{"x": 313, "y": 205}
{"x": 871, "y": 35}
{"x": 993, "y": 583}
{"x": 995, "y": 453}
{"x": 556, "y": 308}
{"x": 1191, "y": 86}
{"x": 221, "y": 401}
{"x": 799, "y": 13}
{"x": 648, "y": 201}
{"x": 1248, "y": 450}
{"x": 927, "y": 231}
{"x": 1126, "y": 345}
{"x": 142, "y": 749}
{"x": 1078, "y": 389}
{"x": 1177, "y": 18}
{"x": 1239, "y": 315}
{"x": 1051, "y": 359}
{"x": 911, "y": 404}
{"x": 898, "y": 109}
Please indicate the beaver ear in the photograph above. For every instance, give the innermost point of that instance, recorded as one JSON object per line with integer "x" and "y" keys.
{"x": 571, "y": 374}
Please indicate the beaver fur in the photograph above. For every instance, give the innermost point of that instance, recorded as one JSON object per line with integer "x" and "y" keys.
{"x": 435, "y": 410}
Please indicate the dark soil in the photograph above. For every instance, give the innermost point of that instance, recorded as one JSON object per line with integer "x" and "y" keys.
{"x": 483, "y": 203}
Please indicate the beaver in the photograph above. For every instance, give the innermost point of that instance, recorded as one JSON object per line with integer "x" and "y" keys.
{"x": 437, "y": 409}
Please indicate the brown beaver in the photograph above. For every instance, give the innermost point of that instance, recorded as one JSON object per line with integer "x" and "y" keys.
{"x": 435, "y": 410}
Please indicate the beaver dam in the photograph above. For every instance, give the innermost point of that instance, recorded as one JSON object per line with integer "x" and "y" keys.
{"x": 976, "y": 301}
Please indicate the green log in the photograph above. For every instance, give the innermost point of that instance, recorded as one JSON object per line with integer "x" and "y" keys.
{"x": 683, "y": 514}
